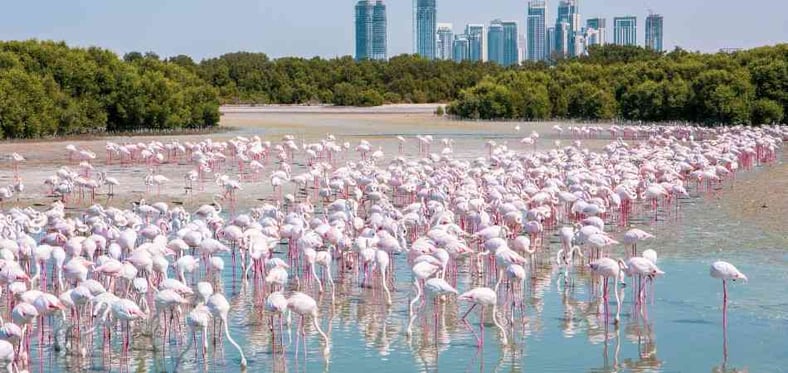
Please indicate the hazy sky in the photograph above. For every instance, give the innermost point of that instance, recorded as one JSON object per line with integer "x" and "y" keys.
{"x": 207, "y": 28}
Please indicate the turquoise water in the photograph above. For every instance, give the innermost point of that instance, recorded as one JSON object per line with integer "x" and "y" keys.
{"x": 563, "y": 331}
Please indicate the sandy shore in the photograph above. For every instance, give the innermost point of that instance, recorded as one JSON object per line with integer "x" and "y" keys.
{"x": 761, "y": 198}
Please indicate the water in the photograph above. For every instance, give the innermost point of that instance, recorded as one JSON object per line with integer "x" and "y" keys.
{"x": 563, "y": 331}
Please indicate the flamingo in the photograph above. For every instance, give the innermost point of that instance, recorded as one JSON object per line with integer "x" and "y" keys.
{"x": 725, "y": 271}
{"x": 304, "y": 305}
{"x": 219, "y": 307}
{"x": 607, "y": 268}
{"x": 482, "y": 297}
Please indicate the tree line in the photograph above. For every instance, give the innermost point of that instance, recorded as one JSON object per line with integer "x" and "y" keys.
{"x": 49, "y": 89}
{"x": 632, "y": 83}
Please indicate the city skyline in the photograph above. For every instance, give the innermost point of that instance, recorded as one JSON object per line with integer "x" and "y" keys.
{"x": 204, "y": 29}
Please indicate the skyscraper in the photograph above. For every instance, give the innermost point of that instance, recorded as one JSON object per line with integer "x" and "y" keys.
{"x": 461, "y": 48}
{"x": 567, "y": 13}
{"x": 654, "y": 32}
{"x": 550, "y": 42}
{"x": 625, "y": 30}
{"x": 445, "y": 41}
{"x": 425, "y": 28}
{"x": 363, "y": 30}
{"x": 537, "y": 31}
{"x": 495, "y": 42}
{"x": 511, "y": 50}
{"x": 476, "y": 42}
{"x": 598, "y": 24}
{"x": 379, "y": 31}
{"x": 562, "y": 36}
{"x": 371, "y": 37}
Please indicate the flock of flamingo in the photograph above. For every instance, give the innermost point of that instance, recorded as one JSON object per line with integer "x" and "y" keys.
{"x": 79, "y": 274}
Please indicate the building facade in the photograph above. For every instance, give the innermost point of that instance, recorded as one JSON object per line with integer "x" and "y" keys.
{"x": 371, "y": 30}
{"x": 511, "y": 44}
{"x": 654, "y": 32}
{"x": 536, "y": 38}
{"x": 379, "y": 31}
{"x": 461, "y": 48}
{"x": 495, "y": 42}
{"x": 363, "y": 30}
{"x": 625, "y": 30}
{"x": 600, "y": 26}
{"x": 425, "y": 28}
{"x": 445, "y": 41}
{"x": 477, "y": 42}
{"x": 568, "y": 13}
{"x": 550, "y": 42}
{"x": 561, "y": 38}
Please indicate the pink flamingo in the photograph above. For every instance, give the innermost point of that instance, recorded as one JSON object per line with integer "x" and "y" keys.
{"x": 483, "y": 297}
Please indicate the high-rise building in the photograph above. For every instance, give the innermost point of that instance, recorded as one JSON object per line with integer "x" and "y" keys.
{"x": 537, "y": 31}
{"x": 625, "y": 30}
{"x": 511, "y": 49}
{"x": 495, "y": 42}
{"x": 654, "y": 32}
{"x": 562, "y": 36}
{"x": 477, "y": 42}
{"x": 521, "y": 56}
{"x": 363, "y": 30}
{"x": 579, "y": 43}
{"x": 598, "y": 24}
{"x": 461, "y": 48}
{"x": 550, "y": 42}
{"x": 567, "y": 13}
{"x": 591, "y": 37}
{"x": 425, "y": 27}
{"x": 445, "y": 41}
{"x": 371, "y": 37}
{"x": 379, "y": 31}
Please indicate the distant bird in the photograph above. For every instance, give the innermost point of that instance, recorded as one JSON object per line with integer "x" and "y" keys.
{"x": 157, "y": 180}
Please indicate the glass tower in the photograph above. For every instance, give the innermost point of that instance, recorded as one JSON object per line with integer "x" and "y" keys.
{"x": 511, "y": 49}
{"x": 477, "y": 42}
{"x": 460, "y": 48}
{"x": 654, "y": 32}
{"x": 550, "y": 42}
{"x": 537, "y": 31}
{"x": 425, "y": 13}
{"x": 625, "y": 30}
{"x": 445, "y": 41}
{"x": 562, "y": 37}
{"x": 567, "y": 13}
{"x": 363, "y": 30}
{"x": 379, "y": 31}
{"x": 495, "y": 42}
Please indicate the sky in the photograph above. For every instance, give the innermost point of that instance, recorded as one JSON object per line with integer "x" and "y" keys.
{"x": 308, "y": 28}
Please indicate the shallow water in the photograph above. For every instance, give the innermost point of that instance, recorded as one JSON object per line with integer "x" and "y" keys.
{"x": 564, "y": 330}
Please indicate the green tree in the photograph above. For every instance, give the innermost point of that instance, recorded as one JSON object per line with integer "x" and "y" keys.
{"x": 765, "y": 111}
